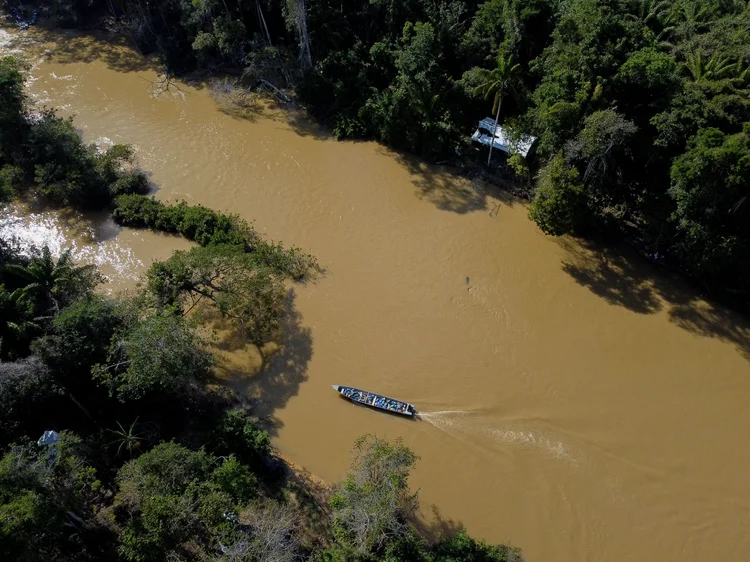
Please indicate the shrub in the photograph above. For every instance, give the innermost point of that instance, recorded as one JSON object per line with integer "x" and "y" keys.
{"x": 210, "y": 228}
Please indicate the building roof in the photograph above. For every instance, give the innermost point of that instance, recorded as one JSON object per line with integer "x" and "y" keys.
{"x": 503, "y": 139}
{"x": 49, "y": 437}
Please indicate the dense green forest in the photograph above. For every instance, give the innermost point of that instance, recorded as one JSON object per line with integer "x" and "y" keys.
{"x": 116, "y": 440}
{"x": 640, "y": 106}
{"x": 642, "y": 113}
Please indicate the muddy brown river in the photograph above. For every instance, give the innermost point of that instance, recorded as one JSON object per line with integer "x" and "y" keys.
{"x": 577, "y": 401}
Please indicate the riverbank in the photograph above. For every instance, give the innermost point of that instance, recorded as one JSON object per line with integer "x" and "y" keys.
{"x": 243, "y": 101}
{"x": 530, "y": 370}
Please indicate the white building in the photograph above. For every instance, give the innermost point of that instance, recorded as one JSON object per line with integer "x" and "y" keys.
{"x": 503, "y": 140}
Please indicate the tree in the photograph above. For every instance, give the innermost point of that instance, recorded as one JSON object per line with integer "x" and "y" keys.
{"x": 44, "y": 495}
{"x": 56, "y": 282}
{"x": 296, "y": 17}
{"x": 70, "y": 172}
{"x": 601, "y": 148}
{"x": 711, "y": 190}
{"x": 172, "y": 501}
{"x": 498, "y": 83}
{"x": 158, "y": 355}
{"x": 268, "y": 533}
{"x": 19, "y": 325}
{"x": 460, "y": 547}
{"x": 715, "y": 68}
{"x": 25, "y": 386}
{"x": 13, "y": 102}
{"x": 235, "y": 433}
{"x": 81, "y": 335}
{"x": 371, "y": 506}
{"x": 11, "y": 181}
{"x": 559, "y": 206}
{"x": 241, "y": 288}
{"x": 410, "y": 112}
{"x": 646, "y": 82}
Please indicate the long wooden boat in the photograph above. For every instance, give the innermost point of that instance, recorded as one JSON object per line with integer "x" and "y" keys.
{"x": 375, "y": 400}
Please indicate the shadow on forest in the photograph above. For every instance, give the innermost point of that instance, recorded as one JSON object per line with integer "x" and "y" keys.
{"x": 623, "y": 278}
{"x": 449, "y": 192}
{"x": 270, "y": 387}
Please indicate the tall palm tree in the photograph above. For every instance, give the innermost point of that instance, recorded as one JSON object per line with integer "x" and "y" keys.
{"x": 686, "y": 18}
{"x": 652, "y": 11}
{"x": 498, "y": 82}
{"x": 55, "y": 280}
{"x": 714, "y": 68}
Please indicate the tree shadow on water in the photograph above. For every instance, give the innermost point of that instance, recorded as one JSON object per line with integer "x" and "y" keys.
{"x": 284, "y": 370}
{"x": 115, "y": 51}
{"x": 623, "y": 278}
{"x": 305, "y": 126}
{"x": 435, "y": 526}
{"x": 712, "y": 320}
{"x": 612, "y": 275}
{"x": 441, "y": 186}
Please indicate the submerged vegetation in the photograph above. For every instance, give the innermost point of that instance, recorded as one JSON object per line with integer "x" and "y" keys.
{"x": 116, "y": 441}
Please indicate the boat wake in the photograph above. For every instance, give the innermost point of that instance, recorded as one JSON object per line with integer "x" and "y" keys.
{"x": 474, "y": 426}
{"x": 435, "y": 415}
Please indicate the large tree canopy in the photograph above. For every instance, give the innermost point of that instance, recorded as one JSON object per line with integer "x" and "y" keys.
{"x": 159, "y": 354}
{"x": 240, "y": 287}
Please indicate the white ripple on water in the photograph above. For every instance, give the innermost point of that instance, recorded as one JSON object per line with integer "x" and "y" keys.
{"x": 35, "y": 230}
{"x": 452, "y": 421}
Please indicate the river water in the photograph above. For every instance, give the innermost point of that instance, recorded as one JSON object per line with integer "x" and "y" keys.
{"x": 578, "y": 402}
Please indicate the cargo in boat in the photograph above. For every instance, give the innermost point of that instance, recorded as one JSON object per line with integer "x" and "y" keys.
{"x": 375, "y": 400}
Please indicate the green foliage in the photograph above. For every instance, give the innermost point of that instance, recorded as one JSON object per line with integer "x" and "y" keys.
{"x": 46, "y": 154}
{"x": 600, "y": 152}
{"x": 463, "y": 548}
{"x": 13, "y": 102}
{"x": 173, "y": 500}
{"x": 11, "y": 180}
{"x": 42, "y": 490}
{"x": 236, "y": 433}
{"x": 18, "y": 326}
{"x": 372, "y": 504}
{"x": 70, "y": 172}
{"x": 498, "y": 82}
{"x": 55, "y": 283}
{"x": 414, "y": 97}
{"x": 210, "y": 228}
{"x": 127, "y": 439}
{"x": 33, "y": 290}
{"x": 519, "y": 165}
{"x": 236, "y": 480}
{"x": 158, "y": 355}
{"x": 559, "y": 206}
{"x": 646, "y": 80}
{"x": 80, "y": 336}
{"x": 241, "y": 289}
{"x": 711, "y": 189}
{"x": 25, "y": 387}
